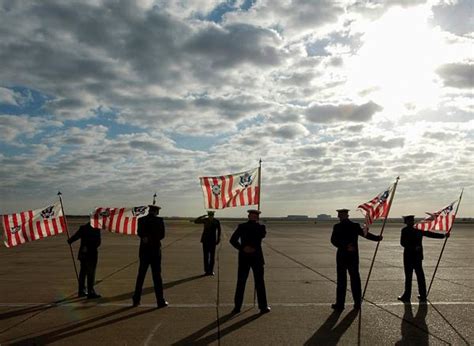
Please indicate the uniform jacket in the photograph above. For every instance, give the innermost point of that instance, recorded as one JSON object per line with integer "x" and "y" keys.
{"x": 151, "y": 229}
{"x": 347, "y": 232}
{"x": 251, "y": 234}
{"x": 90, "y": 241}
{"x": 412, "y": 241}
{"x": 210, "y": 228}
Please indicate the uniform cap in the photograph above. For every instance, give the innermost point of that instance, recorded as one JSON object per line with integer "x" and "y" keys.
{"x": 343, "y": 210}
{"x": 254, "y": 211}
{"x": 408, "y": 217}
{"x": 210, "y": 212}
{"x": 154, "y": 207}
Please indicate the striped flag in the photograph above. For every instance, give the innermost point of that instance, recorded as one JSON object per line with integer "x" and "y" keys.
{"x": 441, "y": 221}
{"x": 231, "y": 190}
{"x": 32, "y": 225}
{"x": 377, "y": 207}
{"x": 118, "y": 220}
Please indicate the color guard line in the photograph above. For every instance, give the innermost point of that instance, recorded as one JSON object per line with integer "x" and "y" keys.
{"x": 188, "y": 306}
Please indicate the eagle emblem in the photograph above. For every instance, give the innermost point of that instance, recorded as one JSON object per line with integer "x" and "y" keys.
{"x": 137, "y": 211}
{"x": 216, "y": 189}
{"x": 246, "y": 180}
{"x": 48, "y": 212}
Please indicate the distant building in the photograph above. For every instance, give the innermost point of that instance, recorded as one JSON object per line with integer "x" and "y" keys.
{"x": 323, "y": 217}
{"x": 297, "y": 217}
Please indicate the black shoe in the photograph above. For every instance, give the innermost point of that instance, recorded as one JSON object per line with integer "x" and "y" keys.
{"x": 135, "y": 303}
{"x": 209, "y": 274}
{"x": 93, "y": 296}
{"x": 265, "y": 310}
{"x": 357, "y": 306}
{"x": 422, "y": 299}
{"x": 403, "y": 299}
{"x": 162, "y": 304}
{"x": 235, "y": 311}
{"x": 337, "y": 307}
{"x": 81, "y": 294}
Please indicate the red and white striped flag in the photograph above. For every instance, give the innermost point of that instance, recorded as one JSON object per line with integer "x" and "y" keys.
{"x": 118, "y": 220}
{"x": 32, "y": 225}
{"x": 231, "y": 190}
{"x": 441, "y": 221}
{"x": 377, "y": 207}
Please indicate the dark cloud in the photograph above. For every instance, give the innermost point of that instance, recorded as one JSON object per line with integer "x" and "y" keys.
{"x": 457, "y": 75}
{"x": 456, "y": 16}
{"x": 319, "y": 113}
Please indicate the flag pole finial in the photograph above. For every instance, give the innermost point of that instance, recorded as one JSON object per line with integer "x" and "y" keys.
{"x": 59, "y": 193}
{"x": 154, "y": 198}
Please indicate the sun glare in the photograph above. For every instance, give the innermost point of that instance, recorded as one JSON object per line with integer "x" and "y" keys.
{"x": 396, "y": 64}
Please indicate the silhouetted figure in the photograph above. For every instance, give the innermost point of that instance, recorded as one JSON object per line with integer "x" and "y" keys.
{"x": 151, "y": 229}
{"x": 211, "y": 236}
{"x": 88, "y": 255}
{"x": 247, "y": 238}
{"x": 345, "y": 235}
{"x": 411, "y": 239}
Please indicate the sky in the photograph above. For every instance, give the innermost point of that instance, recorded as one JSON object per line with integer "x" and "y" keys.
{"x": 110, "y": 101}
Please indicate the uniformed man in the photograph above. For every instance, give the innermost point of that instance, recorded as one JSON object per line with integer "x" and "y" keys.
{"x": 88, "y": 254}
{"x": 151, "y": 229}
{"x": 247, "y": 238}
{"x": 411, "y": 240}
{"x": 209, "y": 239}
{"x": 345, "y": 235}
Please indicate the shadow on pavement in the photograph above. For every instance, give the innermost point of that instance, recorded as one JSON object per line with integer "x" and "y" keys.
{"x": 327, "y": 334}
{"x": 148, "y": 290}
{"x": 412, "y": 335}
{"x": 80, "y": 327}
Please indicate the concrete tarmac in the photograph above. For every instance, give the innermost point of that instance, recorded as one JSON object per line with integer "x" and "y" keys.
{"x": 38, "y": 287}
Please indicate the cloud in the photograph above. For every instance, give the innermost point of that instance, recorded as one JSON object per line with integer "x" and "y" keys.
{"x": 8, "y": 97}
{"x": 320, "y": 113}
{"x": 457, "y": 75}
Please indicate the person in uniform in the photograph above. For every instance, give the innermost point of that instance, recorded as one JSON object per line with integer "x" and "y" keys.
{"x": 209, "y": 240}
{"x": 411, "y": 240}
{"x": 88, "y": 255}
{"x": 247, "y": 238}
{"x": 151, "y": 230}
{"x": 344, "y": 237}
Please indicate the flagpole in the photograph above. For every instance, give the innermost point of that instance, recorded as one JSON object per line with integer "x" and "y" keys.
{"x": 154, "y": 198}
{"x": 381, "y": 232}
{"x": 67, "y": 233}
{"x": 259, "y": 199}
{"x": 444, "y": 244}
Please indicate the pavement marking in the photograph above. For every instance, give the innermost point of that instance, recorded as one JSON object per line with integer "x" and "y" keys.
{"x": 210, "y": 305}
{"x": 152, "y": 334}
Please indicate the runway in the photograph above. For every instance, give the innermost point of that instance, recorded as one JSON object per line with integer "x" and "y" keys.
{"x": 38, "y": 287}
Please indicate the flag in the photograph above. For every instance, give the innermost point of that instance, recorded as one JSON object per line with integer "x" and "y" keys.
{"x": 441, "y": 221}
{"x": 118, "y": 220}
{"x": 376, "y": 208}
{"x": 231, "y": 190}
{"x": 32, "y": 225}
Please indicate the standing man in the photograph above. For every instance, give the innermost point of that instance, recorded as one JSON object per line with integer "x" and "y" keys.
{"x": 345, "y": 235}
{"x": 247, "y": 238}
{"x": 151, "y": 229}
{"x": 411, "y": 240}
{"x": 88, "y": 255}
{"x": 209, "y": 240}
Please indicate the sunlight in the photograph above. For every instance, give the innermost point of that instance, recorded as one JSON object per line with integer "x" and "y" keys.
{"x": 396, "y": 64}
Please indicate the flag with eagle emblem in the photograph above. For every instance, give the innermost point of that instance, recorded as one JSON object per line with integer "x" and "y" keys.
{"x": 30, "y": 225}
{"x": 118, "y": 220}
{"x": 376, "y": 208}
{"x": 231, "y": 190}
{"x": 440, "y": 221}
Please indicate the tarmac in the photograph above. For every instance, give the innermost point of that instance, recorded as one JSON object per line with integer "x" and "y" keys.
{"x": 38, "y": 303}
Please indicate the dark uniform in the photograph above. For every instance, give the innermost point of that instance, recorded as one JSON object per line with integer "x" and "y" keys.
{"x": 247, "y": 238}
{"x": 345, "y": 237}
{"x": 151, "y": 229}
{"x": 411, "y": 239}
{"x": 88, "y": 254}
{"x": 209, "y": 240}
